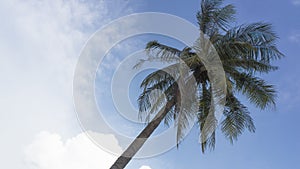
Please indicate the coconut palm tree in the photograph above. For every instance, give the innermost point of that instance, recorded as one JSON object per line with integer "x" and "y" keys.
{"x": 245, "y": 51}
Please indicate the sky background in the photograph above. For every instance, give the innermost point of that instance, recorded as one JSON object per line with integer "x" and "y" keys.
{"x": 40, "y": 42}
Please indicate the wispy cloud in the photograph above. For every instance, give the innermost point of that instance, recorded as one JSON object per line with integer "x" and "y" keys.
{"x": 296, "y": 2}
{"x": 295, "y": 38}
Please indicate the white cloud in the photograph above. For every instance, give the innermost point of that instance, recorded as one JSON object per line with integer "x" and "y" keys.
{"x": 49, "y": 151}
{"x": 38, "y": 50}
{"x": 145, "y": 167}
{"x": 39, "y": 45}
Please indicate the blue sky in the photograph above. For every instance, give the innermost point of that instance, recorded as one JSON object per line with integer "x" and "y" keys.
{"x": 39, "y": 47}
{"x": 276, "y": 143}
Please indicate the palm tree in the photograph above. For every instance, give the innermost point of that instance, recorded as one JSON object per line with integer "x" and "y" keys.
{"x": 244, "y": 51}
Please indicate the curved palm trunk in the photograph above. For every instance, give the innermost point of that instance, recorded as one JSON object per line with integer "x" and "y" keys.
{"x": 139, "y": 141}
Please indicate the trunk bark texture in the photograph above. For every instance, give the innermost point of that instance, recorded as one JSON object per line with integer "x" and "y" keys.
{"x": 139, "y": 141}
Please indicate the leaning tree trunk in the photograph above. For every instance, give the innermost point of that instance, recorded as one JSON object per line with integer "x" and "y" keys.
{"x": 139, "y": 141}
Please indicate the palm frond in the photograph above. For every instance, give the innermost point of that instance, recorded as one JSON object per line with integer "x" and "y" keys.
{"x": 158, "y": 50}
{"x": 224, "y": 16}
{"x": 204, "y": 107}
{"x": 152, "y": 100}
{"x": 255, "y": 41}
{"x": 158, "y": 80}
{"x": 249, "y": 65}
{"x": 213, "y": 17}
{"x": 186, "y": 105}
{"x": 256, "y": 89}
{"x": 209, "y": 143}
{"x": 237, "y": 119}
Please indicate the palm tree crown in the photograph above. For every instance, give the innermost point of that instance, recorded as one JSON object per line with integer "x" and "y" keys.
{"x": 244, "y": 50}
